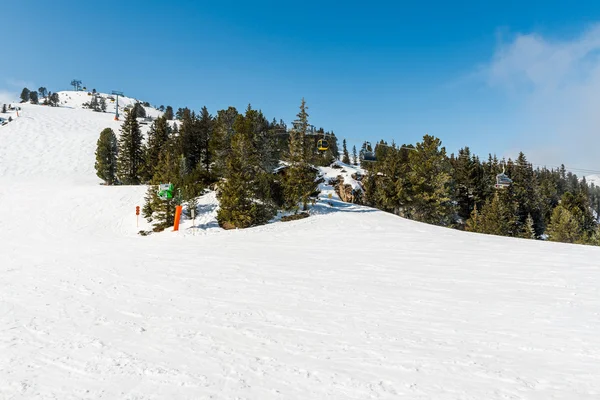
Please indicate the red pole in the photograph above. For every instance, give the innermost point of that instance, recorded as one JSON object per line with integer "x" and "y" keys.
{"x": 177, "y": 218}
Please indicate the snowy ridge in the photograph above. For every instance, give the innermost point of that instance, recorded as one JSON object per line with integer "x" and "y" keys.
{"x": 350, "y": 303}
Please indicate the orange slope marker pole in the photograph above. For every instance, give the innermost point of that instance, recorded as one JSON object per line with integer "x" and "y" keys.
{"x": 177, "y": 218}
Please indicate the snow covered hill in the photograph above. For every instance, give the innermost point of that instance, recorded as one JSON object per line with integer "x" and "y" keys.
{"x": 593, "y": 179}
{"x": 351, "y": 303}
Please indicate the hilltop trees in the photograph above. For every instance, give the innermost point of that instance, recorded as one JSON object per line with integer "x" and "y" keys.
{"x": 24, "y": 95}
{"x": 33, "y": 97}
{"x": 138, "y": 110}
{"x": 106, "y": 157}
{"x": 53, "y": 100}
{"x": 43, "y": 91}
{"x": 169, "y": 113}
{"x": 94, "y": 104}
{"x": 130, "y": 160}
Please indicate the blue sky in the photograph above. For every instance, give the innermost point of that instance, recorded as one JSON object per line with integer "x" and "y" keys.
{"x": 497, "y": 76}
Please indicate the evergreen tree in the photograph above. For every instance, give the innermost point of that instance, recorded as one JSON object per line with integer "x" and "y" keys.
{"x": 205, "y": 128}
{"x": 529, "y": 229}
{"x": 94, "y": 105}
{"x": 299, "y": 183}
{"x": 161, "y": 212}
{"x": 245, "y": 197}
{"x": 391, "y": 169}
{"x": 3, "y": 108}
{"x": 102, "y": 104}
{"x": 54, "y": 100}
{"x": 354, "y": 156}
{"x": 191, "y": 140}
{"x": 429, "y": 183}
{"x": 130, "y": 159}
{"x": 179, "y": 115}
{"x": 564, "y": 226}
{"x": 526, "y": 194}
{"x": 158, "y": 139}
{"x": 497, "y": 217}
{"x": 43, "y": 91}
{"x": 220, "y": 141}
{"x": 106, "y": 157}
{"x": 161, "y": 108}
{"x": 138, "y": 111}
{"x": 169, "y": 113}
{"x": 464, "y": 175}
{"x": 473, "y": 224}
{"x": 33, "y": 97}
{"x": 24, "y": 95}
{"x": 345, "y": 156}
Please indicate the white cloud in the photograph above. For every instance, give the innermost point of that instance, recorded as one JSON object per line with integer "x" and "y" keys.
{"x": 556, "y": 84}
{"x": 8, "y": 97}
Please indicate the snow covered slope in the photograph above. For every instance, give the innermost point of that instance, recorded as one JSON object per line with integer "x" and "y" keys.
{"x": 351, "y": 303}
{"x": 593, "y": 179}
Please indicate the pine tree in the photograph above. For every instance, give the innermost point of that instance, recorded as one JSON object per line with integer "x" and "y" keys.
{"x": 43, "y": 91}
{"x": 3, "y": 108}
{"x": 220, "y": 141}
{"x": 205, "y": 128}
{"x": 464, "y": 175}
{"x": 130, "y": 159}
{"x": 346, "y": 156}
{"x": 564, "y": 226}
{"x": 529, "y": 229}
{"x": 429, "y": 182}
{"x": 54, "y": 99}
{"x": 106, "y": 157}
{"x": 158, "y": 139}
{"x": 161, "y": 212}
{"x": 497, "y": 217}
{"x": 473, "y": 224}
{"x": 526, "y": 194}
{"x": 245, "y": 198}
{"x": 94, "y": 105}
{"x": 191, "y": 140}
{"x": 24, "y": 95}
{"x": 169, "y": 113}
{"x": 102, "y": 104}
{"x": 33, "y": 97}
{"x": 138, "y": 111}
{"x": 354, "y": 156}
{"x": 299, "y": 182}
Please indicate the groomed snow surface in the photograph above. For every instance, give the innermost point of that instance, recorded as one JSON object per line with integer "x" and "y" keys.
{"x": 350, "y": 303}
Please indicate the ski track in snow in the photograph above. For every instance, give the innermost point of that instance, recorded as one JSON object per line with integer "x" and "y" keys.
{"x": 351, "y": 303}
